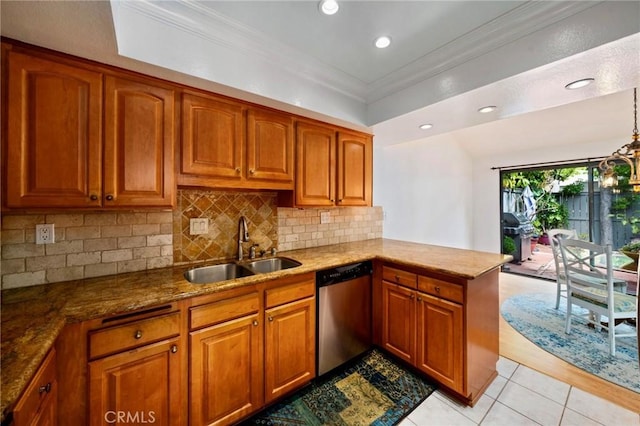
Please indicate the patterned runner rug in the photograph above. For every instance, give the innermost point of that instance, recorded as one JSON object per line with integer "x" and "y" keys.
{"x": 373, "y": 390}
{"x": 535, "y": 317}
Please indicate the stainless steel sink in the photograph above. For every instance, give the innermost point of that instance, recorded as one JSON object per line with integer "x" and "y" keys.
{"x": 216, "y": 273}
{"x": 271, "y": 264}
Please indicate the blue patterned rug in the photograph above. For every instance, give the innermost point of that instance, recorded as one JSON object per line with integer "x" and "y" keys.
{"x": 535, "y": 317}
{"x": 373, "y": 390}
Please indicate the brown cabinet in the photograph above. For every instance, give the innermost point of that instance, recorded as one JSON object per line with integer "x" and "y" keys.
{"x": 289, "y": 347}
{"x": 446, "y": 327}
{"x": 38, "y": 404}
{"x": 227, "y": 144}
{"x": 56, "y": 154}
{"x": 226, "y": 379}
{"x": 333, "y": 168}
{"x": 54, "y": 133}
{"x": 138, "y": 148}
{"x": 137, "y": 368}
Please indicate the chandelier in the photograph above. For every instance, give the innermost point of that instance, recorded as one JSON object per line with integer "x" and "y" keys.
{"x": 629, "y": 153}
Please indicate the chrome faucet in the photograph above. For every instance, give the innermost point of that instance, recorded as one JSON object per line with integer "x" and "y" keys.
{"x": 243, "y": 235}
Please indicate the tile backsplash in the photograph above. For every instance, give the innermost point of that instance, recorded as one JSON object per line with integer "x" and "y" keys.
{"x": 105, "y": 243}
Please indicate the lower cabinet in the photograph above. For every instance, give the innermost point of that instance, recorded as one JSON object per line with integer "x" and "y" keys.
{"x": 249, "y": 347}
{"x": 447, "y": 329}
{"x": 38, "y": 404}
{"x": 136, "y": 370}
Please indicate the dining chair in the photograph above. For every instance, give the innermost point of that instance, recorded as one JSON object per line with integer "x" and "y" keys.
{"x": 561, "y": 280}
{"x": 592, "y": 288}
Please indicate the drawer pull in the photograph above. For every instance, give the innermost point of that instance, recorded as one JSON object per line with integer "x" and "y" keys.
{"x": 138, "y": 334}
{"x": 419, "y": 299}
{"x": 437, "y": 289}
{"x": 45, "y": 389}
{"x": 397, "y": 278}
{"x": 411, "y": 296}
{"x": 255, "y": 323}
{"x": 174, "y": 349}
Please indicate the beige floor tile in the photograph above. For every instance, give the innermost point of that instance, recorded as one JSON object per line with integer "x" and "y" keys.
{"x": 546, "y": 386}
{"x": 475, "y": 413}
{"x": 501, "y": 415}
{"x": 496, "y": 387}
{"x": 601, "y": 410}
{"x": 435, "y": 412}
{"x": 531, "y": 404}
{"x": 571, "y": 418}
{"x": 506, "y": 367}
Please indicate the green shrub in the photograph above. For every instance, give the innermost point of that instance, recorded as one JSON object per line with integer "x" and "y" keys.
{"x": 508, "y": 245}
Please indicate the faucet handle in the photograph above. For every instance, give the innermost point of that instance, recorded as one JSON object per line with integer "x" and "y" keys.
{"x": 252, "y": 251}
{"x": 274, "y": 251}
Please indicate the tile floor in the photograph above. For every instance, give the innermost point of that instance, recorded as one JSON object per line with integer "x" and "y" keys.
{"x": 522, "y": 396}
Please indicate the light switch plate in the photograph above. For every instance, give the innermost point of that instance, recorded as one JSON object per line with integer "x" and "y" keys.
{"x": 198, "y": 226}
{"x": 325, "y": 217}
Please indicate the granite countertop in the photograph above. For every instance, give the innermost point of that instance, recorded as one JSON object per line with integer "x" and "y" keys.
{"x": 32, "y": 317}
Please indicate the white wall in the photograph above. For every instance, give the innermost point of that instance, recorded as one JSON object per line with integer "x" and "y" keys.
{"x": 485, "y": 183}
{"x": 424, "y": 189}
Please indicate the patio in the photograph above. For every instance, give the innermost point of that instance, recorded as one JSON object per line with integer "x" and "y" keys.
{"x": 541, "y": 265}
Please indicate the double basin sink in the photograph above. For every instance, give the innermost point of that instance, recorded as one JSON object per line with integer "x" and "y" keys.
{"x": 232, "y": 270}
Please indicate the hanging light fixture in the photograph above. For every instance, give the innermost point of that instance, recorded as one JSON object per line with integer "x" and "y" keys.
{"x": 629, "y": 153}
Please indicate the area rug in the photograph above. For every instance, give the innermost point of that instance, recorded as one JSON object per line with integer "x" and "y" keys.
{"x": 373, "y": 390}
{"x": 535, "y": 317}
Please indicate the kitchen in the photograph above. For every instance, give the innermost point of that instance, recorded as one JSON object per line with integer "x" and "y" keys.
{"x": 161, "y": 238}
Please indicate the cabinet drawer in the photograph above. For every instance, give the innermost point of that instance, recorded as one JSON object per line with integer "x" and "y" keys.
{"x": 223, "y": 310}
{"x": 398, "y": 276}
{"x": 131, "y": 335}
{"x": 39, "y": 388}
{"x": 439, "y": 288}
{"x": 289, "y": 293}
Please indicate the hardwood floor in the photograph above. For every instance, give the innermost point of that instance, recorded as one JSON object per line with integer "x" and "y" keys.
{"x": 518, "y": 348}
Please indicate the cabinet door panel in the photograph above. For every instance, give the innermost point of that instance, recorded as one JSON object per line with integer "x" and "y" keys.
{"x": 226, "y": 372}
{"x": 354, "y": 170}
{"x": 398, "y": 321}
{"x": 145, "y": 383}
{"x": 139, "y": 137}
{"x": 289, "y": 347}
{"x": 212, "y": 138}
{"x": 54, "y": 134}
{"x": 315, "y": 165}
{"x": 270, "y": 147}
{"x": 440, "y": 340}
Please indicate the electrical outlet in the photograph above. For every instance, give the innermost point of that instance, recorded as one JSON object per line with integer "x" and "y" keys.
{"x": 325, "y": 217}
{"x": 198, "y": 226}
{"x": 45, "y": 233}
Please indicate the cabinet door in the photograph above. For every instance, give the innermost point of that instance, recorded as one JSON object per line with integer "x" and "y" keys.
{"x": 270, "y": 148}
{"x": 139, "y": 144}
{"x": 38, "y": 404}
{"x": 355, "y": 161}
{"x": 289, "y": 347}
{"x": 212, "y": 140}
{"x": 146, "y": 384}
{"x": 226, "y": 372}
{"x": 440, "y": 340}
{"x": 54, "y": 129}
{"x": 399, "y": 321}
{"x": 315, "y": 165}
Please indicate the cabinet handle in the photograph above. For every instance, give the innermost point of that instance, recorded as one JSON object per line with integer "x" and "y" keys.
{"x": 174, "y": 349}
{"x": 411, "y": 296}
{"x": 238, "y": 169}
{"x": 419, "y": 299}
{"x": 332, "y": 200}
{"x": 93, "y": 197}
{"x": 270, "y": 318}
{"x": 109, "y": 197}
{"x": 397, "y": 278}
{"x": 255, "y": 323}
{"x": 45, "y": 389}
{"x": 251, "y": 171}
{"x": 437, "y": 289}
{"x": 340, "y": 200}
{"x": 138, "y": 334}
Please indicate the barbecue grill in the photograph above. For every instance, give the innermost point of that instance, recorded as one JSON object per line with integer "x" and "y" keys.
{"x": 518, "y": 227}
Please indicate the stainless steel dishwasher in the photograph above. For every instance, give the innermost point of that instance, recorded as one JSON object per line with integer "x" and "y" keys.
{"x": 344, "y": 314}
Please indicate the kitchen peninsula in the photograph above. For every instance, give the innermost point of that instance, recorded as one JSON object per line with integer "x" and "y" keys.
{"x": 33, "y": 317}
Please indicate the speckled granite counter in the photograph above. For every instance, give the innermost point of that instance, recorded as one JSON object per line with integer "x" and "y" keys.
{"x": 32, "y": 317}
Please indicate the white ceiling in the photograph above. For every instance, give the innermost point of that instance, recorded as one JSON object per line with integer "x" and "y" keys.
{"x": 447, "y": 58}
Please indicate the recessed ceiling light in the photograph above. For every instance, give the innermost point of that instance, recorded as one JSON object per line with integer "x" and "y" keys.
{"x": 328, "y": 7}
{"x": 382, "y": 42}
{"x": 579, "y": 83}
{"x": 426, "y": 126}
{"x": 487, "y": 109}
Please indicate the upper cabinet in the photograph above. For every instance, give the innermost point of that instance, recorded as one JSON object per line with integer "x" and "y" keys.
{"x": 333, "y": 167}
{"x": 58, "y": 155}
{"x": 229, "y": 145}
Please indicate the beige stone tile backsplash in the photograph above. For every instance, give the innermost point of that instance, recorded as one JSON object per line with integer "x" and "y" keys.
{"x": 105, "y": 243}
